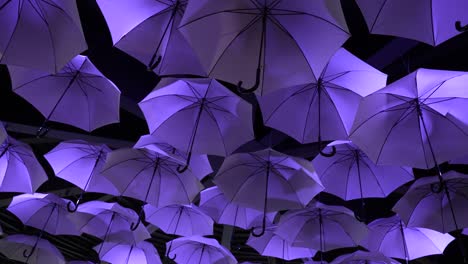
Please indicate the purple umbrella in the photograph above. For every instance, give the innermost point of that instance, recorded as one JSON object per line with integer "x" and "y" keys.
{"x": 148, "y": 30}
{"x": 3, "y": 133}
{"x": 151, "y": 177}
{"x": 324, "y": 105}
{"x": 321, "y": 227}
{"x": 80, "y": 163}
{"x": 110, "y": 222}
{"x": 19, "y": 169}
{"x": 391, "y": 237}
{"x": 268, "y": 180}
{"x": 270, "y": 244}
{"x": 78, "y": 95}
{"x": 208, "y": 118}
{"x": 199, "y": 165}
{"x": 40, "y": 34}
{"x": 215, "y": 204}
{"x": 42, "y": 251}
{"x": 431, "y": 22}
{"x": 46, "y": 212}
{"x": 199, "y": 250}
{"x": 182, "y": 220}
{"x": 426, "y": 205}
{"x": 363, "y": 257}
{"x": 251, "y": 40}
{"x": 139, "y": 253}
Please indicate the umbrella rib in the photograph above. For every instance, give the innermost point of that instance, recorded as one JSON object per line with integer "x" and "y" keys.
{"x": 377, "y": 16}
{"x": 7, "y": 46}
{"x": 170, "y": 33}
{"x": 375, "y": 176}
{"x": 220, "y": 12}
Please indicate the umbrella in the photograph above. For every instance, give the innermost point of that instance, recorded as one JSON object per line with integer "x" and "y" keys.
{"x": 198, "y": 250}
{"x": 148, "y": 31}
{"x": 139, "y": 253}
{"x": 78, "y": 95}
{"x": 251, "y": 40}
{"x": 426, "y": 205}
{"x": 208, "y": 118}
{"x": 199, "y": 165}
{"x": 215, "y": 204}
{"x": 363, "y": 257}
{"x": 270, "y": 244}
{"x": 151, "y": 177}
{"x": 19, "y": 169}
{"x": 431, "y": 22}
{"x": 110, "y": 222}
{"x": 40, "y": 34}
{"x": 80, "y": 163}
{"x": 46, "y": 212}
{"x": 321, "y": 227}
{"x": 42, "y": 251}
{"x": 182, "y": 220}
{"x": 324, "y": 105}
{"x": 391, "y": 237}
{"x": 3, "y": 133}
{"x": 268, "y": 180}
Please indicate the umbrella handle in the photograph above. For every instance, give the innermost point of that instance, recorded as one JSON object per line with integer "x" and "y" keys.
{"x": 259, "y": 234}
{"x": 328, "y": 155}
{"x": 28, "y": 255}
{"x": 167, "y": 255}
{"x": 461, "y": 28}
{"x": 134, "y": 226}
{"x": 253, "y": 88}
{"x": 181, "y": 169}
{"x": 70, "y": 209}
{"x": 154, "y": 65}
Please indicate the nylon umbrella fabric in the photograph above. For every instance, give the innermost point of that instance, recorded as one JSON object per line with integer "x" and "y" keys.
{"x": 198, "y": 250}
{"x": 110, "y": 222}
{"x": 139, "y": 253}
{"x": 391, "y": 237}
{"x": 324, "y": 105}
{"x": 427, "y": 204}
{"x": 321, "y": 227}
{"x": 77, "y": 95}
{"x": 46, "y": 212}
{"x": 52, "y": 26}
{"x": 20, "y": 171}
{"x": 272, "y": 245}
{"x": 208, "y": 118}
{"x": 199, "y": 165}
{"x": 431, "y": 22}
{"x": 248, "y": 41}
{"x": 148, "y": 175}
{"x": 148, "y": 31}
{"x": 363, "y": 257}
{"x": 417, "y": 120}
{"x": 362, "y": 177}
{"x": 13, "y": 247}
{"x": 182, "y": 220}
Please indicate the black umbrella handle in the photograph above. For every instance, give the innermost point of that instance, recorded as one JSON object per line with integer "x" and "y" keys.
{"x": 182, "y": 169}
{"x": 167, "y": 255}
{"x": 134, "y": 226}
{"x": 154, "y": 64}
{"x": 252, "y": 89}
{"x": 460, "y": 28}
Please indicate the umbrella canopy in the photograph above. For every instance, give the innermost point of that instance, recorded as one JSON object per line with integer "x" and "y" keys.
{"x": 139, "y": 253}
{"x": 391, "y": 237}
{"x": 430, "y": 205}
{"x": 215, "y": 204}
{"x": 199, "y": 250}
{"x": 46, "y": 212}
{"x": 199, "y": 165}
{"x": 362, "y": 178}
{"x": 431, "y": 22}
{"x": 249, "y": 41}
{"x": 3, "y": 133}
{"x": 148, "y": 31}
{"x": 268, "y": 180}
{"x": 16, "y": 246}
{"x": 208, "y": 118}
{"x": 19, "y": 169}
{"x": 110, "y": 222}
{"x": 40, "y": 34}
{"x": 415, "y": 119}
{"x": 363, "y": 257}
{"x": 182, "y": 220}
{"x": 321, "y": 227}
{"x": 324, "y": 106}
{"x": 78, "y": 95}
{"x": 80, "y": 163}
{"x": 270, "y": 244}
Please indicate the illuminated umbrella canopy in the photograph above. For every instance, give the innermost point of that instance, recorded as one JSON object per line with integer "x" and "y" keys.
{"x": 15, "y": 246}
{"x": 198, "y": 250}
{"x": 43, "y": 35}
{"x": 363, "y": 257}
{"x": 139, "y": 253}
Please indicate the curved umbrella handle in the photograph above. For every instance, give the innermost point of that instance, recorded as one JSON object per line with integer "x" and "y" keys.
{"x": 181, "y": 169}
{"x": 28, "y": 255}
{"x": 134, "y": 226}
{"x": 253, "y": 88}
{"x": 167, "y": 255}
{"x": 328, "y": 155}
{"x": 153, "y": 65}
{"x": 72, "y": 209}
{"x": 461, "y": 28}
{"x": 259, "y": 234}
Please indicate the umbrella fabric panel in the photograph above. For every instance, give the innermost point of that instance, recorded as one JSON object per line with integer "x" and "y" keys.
{"x": 14, "y": 245}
